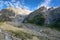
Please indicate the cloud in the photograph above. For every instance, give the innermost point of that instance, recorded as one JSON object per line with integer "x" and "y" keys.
{"x": 46, "y": 3}
{"x": 14, "y": 3}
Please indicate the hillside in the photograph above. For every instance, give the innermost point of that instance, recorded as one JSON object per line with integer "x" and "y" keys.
{"x": 40, "y": 33}
{"x": 44, "y": 16}
{"x": 34, "y": 26}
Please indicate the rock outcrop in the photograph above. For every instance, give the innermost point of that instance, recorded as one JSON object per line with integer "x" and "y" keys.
{"x": 49, "y": 15}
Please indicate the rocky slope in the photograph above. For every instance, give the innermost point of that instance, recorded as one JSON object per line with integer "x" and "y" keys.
{"x": 20, "y": 11}
{"x": 28, "y": 32}
{"x": 49, "y": 15}
{"x": 37, "y": 12}
{"x": 16, "y": 30}
{"x": 13, "y": 14}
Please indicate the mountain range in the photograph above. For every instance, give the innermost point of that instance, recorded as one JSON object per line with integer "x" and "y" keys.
{"x": 20, "y": 24}
{"x": 50, "y": 15}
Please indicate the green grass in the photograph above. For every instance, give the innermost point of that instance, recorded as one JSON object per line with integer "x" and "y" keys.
{"x": 1, "y": 22}
{"x": 21, "y": 34}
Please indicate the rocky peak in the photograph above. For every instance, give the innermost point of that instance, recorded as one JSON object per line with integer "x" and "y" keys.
{"x": 49, "y": 14}
{"x": 42, "y": 9}
{"x": 19, "y": 10}
{"x": 8, "y": 12}
{"x": 51, "y": 8}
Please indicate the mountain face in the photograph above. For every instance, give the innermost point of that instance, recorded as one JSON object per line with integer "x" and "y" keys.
{"x": 8, "y": 12}
{"x": 15, "y": 14}
{"x": 53, "y": 15}
{"x": 14, "y": 29}
{"x": 20, "y": 11}
{"x": 15, "y": 11}
{"x": 37, "y": 12}
{"x": 7, "y": 15}
{"x": 44, "y": 15}
{"x": 39, "y": 16}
